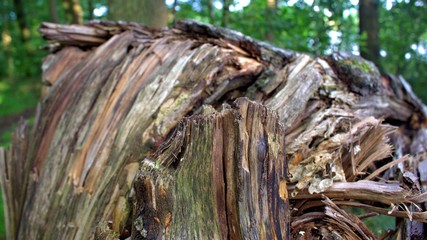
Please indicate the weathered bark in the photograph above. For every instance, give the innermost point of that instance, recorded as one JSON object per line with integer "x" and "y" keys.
{"x": 144, "y": 133}
{"x": 222, "y": 176}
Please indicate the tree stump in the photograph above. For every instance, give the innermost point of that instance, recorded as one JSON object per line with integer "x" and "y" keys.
{"x": 180, "y": 133}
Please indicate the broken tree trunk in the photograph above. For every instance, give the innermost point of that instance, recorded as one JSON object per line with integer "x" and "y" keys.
{"x": 221, "y": 176}
{"x": 180, "y": 133}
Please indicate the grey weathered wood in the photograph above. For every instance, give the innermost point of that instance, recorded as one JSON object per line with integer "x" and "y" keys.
{"x": 116, "y": 93}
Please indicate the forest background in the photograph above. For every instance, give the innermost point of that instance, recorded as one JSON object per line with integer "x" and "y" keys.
{"x": 391, "y": 33}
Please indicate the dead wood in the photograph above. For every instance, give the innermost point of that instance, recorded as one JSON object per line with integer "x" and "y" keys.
{"x": 146, "y": 133}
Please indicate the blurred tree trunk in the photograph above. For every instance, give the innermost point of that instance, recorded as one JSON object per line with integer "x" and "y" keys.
{"x": 180, "y": 134}
{"x": 91, "y": 9}
{"x": 270, "y": 16}
{"x": 53, "y": 11}
{"x": 174, "y": 6}
{"x": 22, "y": 20}
{"x": 74, "y": 11}
{"x": 210, "y": 11}
{"x": 153, "y": 13}
{"x": 369, "y": 28}
{"x": 225, "y": 12}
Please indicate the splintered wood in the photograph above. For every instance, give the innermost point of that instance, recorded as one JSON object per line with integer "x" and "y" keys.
{"x": 223, "y": 173}
{"x": 180, "y": 133}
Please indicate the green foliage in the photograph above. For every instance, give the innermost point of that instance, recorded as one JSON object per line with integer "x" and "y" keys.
{"x": 403, "y": 37}
{"x": 5, "y": 138}
{"x": 18, "y": 94}
{"x": 378, "y": 224}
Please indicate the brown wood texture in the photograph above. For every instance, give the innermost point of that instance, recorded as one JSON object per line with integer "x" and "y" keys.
{"x": 144, "y": 133}
{"x": 225, "y": 174}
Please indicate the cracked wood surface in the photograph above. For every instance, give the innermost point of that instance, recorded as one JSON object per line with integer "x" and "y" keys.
{"x": 116, "y": 92}
{"x": 225, "y": 175}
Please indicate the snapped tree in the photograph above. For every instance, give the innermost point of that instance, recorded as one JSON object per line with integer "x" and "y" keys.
{"x": 201, "y": 132}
